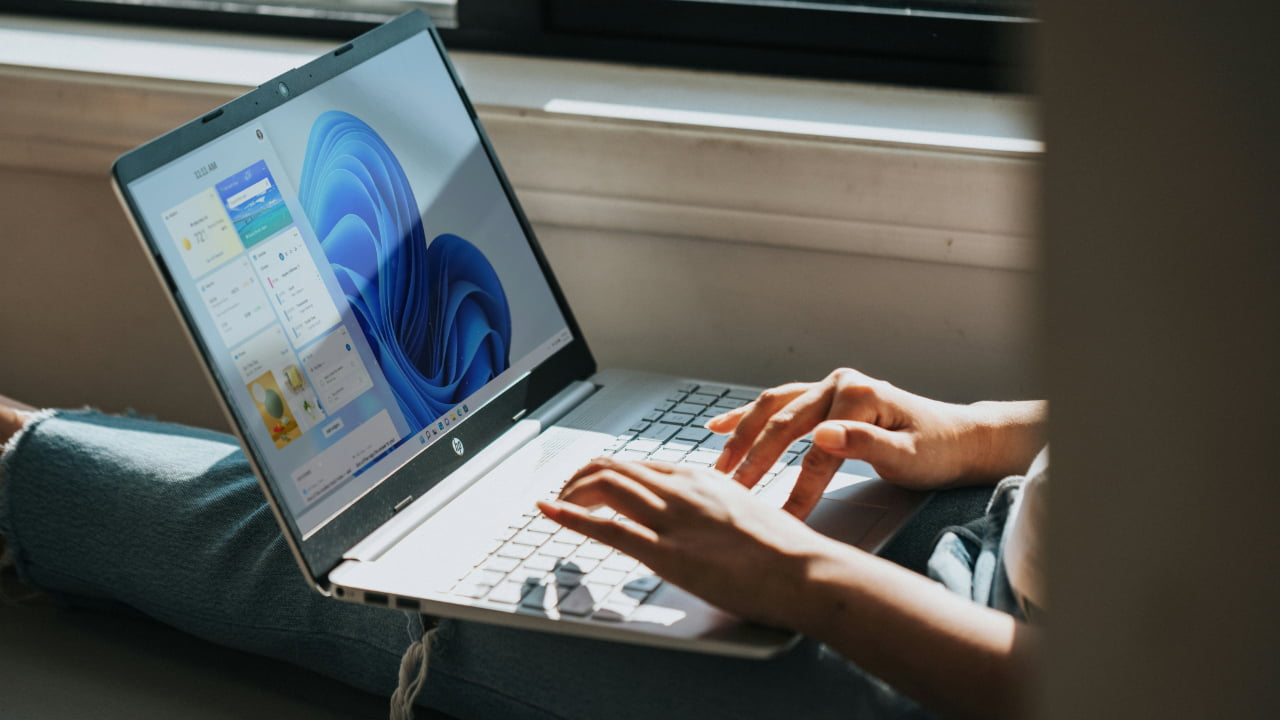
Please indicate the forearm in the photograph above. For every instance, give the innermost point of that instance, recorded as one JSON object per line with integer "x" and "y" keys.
{"x": 952, "y": 655}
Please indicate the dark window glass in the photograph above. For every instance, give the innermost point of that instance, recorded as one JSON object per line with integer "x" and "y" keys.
{"x": 972, "y": 44}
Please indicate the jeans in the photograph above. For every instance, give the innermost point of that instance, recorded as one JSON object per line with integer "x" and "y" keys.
{"x": 168, "y": 520}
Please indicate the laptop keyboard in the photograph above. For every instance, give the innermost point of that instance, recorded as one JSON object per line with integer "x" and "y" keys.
{"x": 537, "y": 566}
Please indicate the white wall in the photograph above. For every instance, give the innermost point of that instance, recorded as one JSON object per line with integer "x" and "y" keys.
{"x": 757, "y": 256}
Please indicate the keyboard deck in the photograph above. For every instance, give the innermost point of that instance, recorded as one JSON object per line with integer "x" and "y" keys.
{"x": 537, "y": 566}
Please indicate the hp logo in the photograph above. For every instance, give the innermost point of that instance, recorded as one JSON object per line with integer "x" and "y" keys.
{"x": 457, "y": 446}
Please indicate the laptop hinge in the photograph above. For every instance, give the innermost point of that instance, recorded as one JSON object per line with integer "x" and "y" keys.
{"x": 507, "y": 444}
{"x": 550, "y": 412}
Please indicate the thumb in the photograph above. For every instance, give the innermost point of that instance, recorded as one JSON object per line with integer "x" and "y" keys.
{"x": 860, "y": 441}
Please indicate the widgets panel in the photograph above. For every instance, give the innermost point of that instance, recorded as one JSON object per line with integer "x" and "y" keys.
{"x": 267, "y": 365}
{"x": 203, "y": 232}
{"x": 337, "y": 370}
{"x": 255, "y": 204}
{"x": 235, "y": 301}
{"x": 346, "y": 457}
{"x": 294, "y": 286}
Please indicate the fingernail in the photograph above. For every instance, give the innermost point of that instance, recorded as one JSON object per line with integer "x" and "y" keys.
{"x": 830, "y": 436}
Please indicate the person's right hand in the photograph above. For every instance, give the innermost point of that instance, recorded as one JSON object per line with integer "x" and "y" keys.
{"x": 910, "y": 440}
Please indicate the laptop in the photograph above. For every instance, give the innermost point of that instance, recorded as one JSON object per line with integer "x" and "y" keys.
{"x": 405, "y": 375}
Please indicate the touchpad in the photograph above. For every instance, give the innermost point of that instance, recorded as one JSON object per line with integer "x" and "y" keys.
{"x": 845, "y": 521}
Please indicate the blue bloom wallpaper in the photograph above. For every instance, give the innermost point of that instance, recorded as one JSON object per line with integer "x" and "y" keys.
{"x": 435, "y": 313}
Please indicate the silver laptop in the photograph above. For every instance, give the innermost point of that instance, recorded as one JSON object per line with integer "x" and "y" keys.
{"x": 403, "y": 371}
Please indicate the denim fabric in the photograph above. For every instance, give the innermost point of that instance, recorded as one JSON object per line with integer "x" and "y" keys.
{"x": 967, "y": 558}
{"x": 169, "y": 521}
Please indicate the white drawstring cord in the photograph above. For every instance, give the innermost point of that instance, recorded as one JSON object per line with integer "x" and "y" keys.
{"x": 412, "y": 681}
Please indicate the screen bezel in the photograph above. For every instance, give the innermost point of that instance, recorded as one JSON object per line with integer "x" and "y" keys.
{"x": 322, "y": 550}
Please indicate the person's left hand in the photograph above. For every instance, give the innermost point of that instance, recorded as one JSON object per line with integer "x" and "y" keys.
{"x": 697, "y": 529}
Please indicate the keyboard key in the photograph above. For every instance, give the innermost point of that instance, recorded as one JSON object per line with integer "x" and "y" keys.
{"x": 599, "y": 591}
{"x": 653, "y": 416}
{"x": 507, "y": 593}
{"x": 660, "y": 432}
{"x": 529, "y": 537}
{"x": 606, "y": 576}
{"x": 638, "y": 427}
{"x": 621, "y": 603}
{"x": 703, "y": 456}
{"x": 745, "y": 396}
{"x": 585, "y": 563}
{"x": 687, "y": 386}
{"x": 726, "y": 404}
{"x": 536, "y": 598}
{"x": 643, "y": 445}
{"x": 694, "y": 435}
{"x": 573, "y": 537}
{"x": 545, "y": 525}
{"x": 667, "y": 455}
{"x": 701, "y": 399}
{"x": 620, "y": 562}
{"x": 642, "y": 586}
{"x": 608, "y": 615}
{"x": 632, "y": 454}
{"x": 472, "y": 590}
{"x": 689, "y": 408}
{"x": 555, "y": 549}
{"x": 595, "y": 551}
{"x": 538, "y": 564}
{"x": 516, "y": 551}
{"x": 484, "y": 577}
{"x": 578, "y": 602}
{"x": 678, "y": 418}
{"x": 715, "y": 442}
{"x": 500, "y": 564}
{"x": 713, "y": 390}
{"x": 568, "y": 573}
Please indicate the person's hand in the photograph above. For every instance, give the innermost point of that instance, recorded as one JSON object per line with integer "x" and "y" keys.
{"x": 13, "y": 415}
{"x": 910, "y": 440}
{"x": 699, "y": 530}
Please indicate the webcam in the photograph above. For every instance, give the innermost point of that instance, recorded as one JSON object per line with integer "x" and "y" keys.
{"x": 283, "y": 89}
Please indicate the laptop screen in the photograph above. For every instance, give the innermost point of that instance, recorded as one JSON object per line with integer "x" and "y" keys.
{"x": 355, "y": 273}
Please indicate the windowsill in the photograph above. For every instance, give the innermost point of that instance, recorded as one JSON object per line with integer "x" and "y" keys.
{"x": 901, "y": 116}
{"x": 939, "y": 176}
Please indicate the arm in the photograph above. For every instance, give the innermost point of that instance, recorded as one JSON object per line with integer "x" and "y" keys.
{"x": 708, "y": 535}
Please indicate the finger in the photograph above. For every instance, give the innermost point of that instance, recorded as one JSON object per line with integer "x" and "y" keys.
{"x": 856, "y": 397}
{"x": 636, "y": 540}
{"x": 726, "y": 421}
{"x": 753, "y": 419}
{"x": 785, "y": 427}
{"x": 816, "y": 471}
{"x": 884, "y": 449}
{"x": 620, "y": 492}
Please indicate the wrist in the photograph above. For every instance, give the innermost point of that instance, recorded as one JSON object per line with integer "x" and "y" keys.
{"x": 1006, "y": 435}
{"x": 824, "y": 601}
